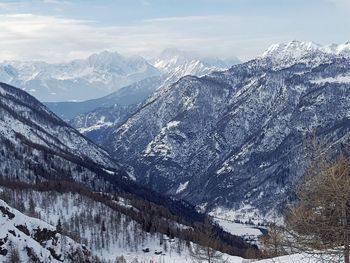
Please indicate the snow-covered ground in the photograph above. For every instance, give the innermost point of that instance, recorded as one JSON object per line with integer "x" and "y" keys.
{"x": 239, "y": 229}
{"x": 123, "y": 237}
{"x": 305, "y": 258}
{"x": 32, "y": 238}
{"x": 245, "y": 222}
{"x": 107, "y": 233}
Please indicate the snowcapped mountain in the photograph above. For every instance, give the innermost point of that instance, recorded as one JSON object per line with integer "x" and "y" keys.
{"x": 100, "y": 74}
{"x": 235, "y": 138}
{"x": 176, "y": 63}
{"x": 173, "y": 63}
{"x": 39, "y": 151}
{"x": 296, "y": 51}
{"x": 83, "y": 79}
{"x": 29, "y": 239}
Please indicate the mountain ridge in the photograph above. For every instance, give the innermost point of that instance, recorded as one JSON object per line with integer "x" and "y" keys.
{"x": 226, "y": 139}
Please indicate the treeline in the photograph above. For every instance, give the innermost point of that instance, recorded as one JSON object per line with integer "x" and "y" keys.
{"x": 152, "y": 218}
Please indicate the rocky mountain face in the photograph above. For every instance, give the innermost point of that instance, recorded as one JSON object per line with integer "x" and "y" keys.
{"x": 83, "y": 79}
{"x": 95, "y": 124}
{"x": 236, "y": 138}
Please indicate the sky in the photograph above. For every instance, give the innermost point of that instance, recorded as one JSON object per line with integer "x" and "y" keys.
{"x": 62, "y": 30}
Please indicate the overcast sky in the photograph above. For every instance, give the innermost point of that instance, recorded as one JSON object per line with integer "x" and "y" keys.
{"x": 54, "y": 30}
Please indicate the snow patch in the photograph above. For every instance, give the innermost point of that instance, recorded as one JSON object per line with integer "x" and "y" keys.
{"x": 338, "y": 79}
{"x": 182, "y": 187}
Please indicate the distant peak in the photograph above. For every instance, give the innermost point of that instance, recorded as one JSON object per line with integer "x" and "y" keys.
{"x": 295, "y": 50}
{"x": 105, "y": 54}
{"x": 291, "y": 46}
{"x": 169, "y": 53}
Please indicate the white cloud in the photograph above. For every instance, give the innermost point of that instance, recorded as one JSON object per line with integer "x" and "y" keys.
{"x": 11, "y": 6}
{"x": 28, "y": 37}
{"x": 340, "y": 3}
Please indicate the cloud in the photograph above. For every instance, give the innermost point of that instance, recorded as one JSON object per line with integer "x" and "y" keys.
{"x": 11, "y": 6}
{"x": 340, "y": 3}
{"x": 28, "y": 36}
{"x": 54, "y": 39}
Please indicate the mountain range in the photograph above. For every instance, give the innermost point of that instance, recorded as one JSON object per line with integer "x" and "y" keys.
{"x": 196, "y": 136}
{"x": 98, "y": 75}
{"x": 113, "y": 109}
{"x": 235, "y": 139}
{"x": 45, "y": 163}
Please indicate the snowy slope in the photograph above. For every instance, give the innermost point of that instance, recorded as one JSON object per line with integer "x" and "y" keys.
{"x": 82, "y": 219}
{"x": 34, "y": 239}
{"x": 108, "y": 233}
{"x": 98, "y": 75}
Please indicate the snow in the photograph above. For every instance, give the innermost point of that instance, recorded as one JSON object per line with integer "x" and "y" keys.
{"x": 338, "y": 79}
{"x": 172, "y": 124}
{"x": 239, "y": 229}
{"x": 96, "y": 75}
{"x": 21, "y": 240}
{"x": 68, "y": 206}
{"x": 177, "y": 63}
{"x": 159, "y": 146}
{"x": 303, "y": 258}
{"x": 108, "y": 171}
{"x": 296, "y": 49}
{"x": 245, "y": 213}
{"x": 287, "y": 54}
{"x": 182, "y": 187}
{"x": 50, "y": 133}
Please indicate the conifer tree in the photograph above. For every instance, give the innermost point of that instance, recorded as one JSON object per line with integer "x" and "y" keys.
{"x": 320, "y": 220}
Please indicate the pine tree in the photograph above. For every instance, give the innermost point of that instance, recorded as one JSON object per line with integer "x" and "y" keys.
{"x": 59, "y": 226}
{"x": 14, "y": 256}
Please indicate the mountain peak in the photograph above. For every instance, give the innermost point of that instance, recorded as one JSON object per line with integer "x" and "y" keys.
{"x": 295, "y": 50}
{"x": 181, "y": 63}
{"x": 104, "y": 57}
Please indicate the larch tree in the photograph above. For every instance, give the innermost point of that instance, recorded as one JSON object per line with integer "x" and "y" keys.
{"x": 273, "y": 243}
{"x": 319, "y": 222}
{"x": 205, "y": 252}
